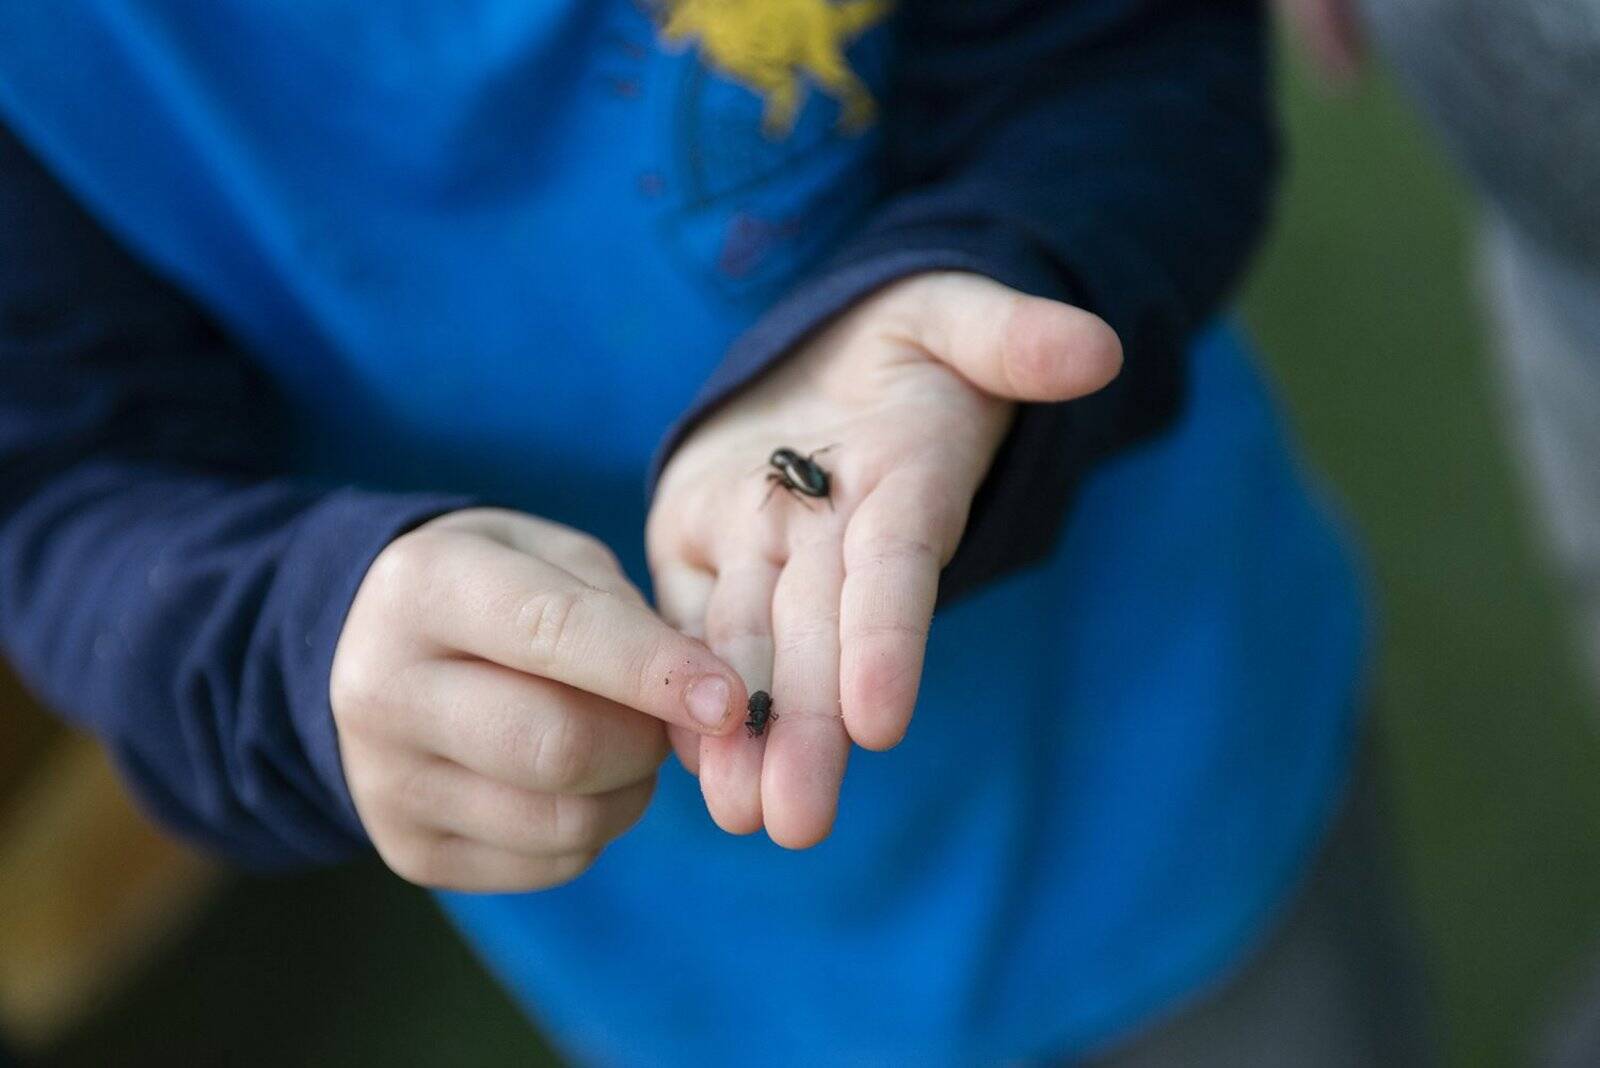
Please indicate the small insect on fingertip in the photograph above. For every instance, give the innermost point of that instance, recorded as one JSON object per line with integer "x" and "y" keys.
{"x": 761, "y": 713}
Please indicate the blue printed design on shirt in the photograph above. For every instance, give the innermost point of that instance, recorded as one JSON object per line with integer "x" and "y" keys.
{"x": 766, "y": 153}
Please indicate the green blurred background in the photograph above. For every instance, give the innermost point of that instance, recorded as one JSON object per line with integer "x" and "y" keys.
{"x": 1364, "y": 305}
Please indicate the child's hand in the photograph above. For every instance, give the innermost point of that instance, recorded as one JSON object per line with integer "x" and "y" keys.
{"x": 488, "y": 689}
{"x": 827, "y": 603}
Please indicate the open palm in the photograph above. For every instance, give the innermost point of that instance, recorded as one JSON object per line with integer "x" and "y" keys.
{"x": 826, "y": 603}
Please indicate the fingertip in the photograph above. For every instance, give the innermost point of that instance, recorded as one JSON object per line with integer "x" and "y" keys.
{"x": 879, "y": 736}
{"x": 1101, "y": 350}
{"x": 801, "y": 779}
{"x": 740, "y": 824}
{"x": 713, "y": 697}
{"x": 730, "y": 783}
{"x": 1055, "y": 351}
{"x": 801, "y": 834}
{"x": 879, "y": 694}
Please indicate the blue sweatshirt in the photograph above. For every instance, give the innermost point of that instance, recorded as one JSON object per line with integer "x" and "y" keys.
{"x": 278, "y": 283}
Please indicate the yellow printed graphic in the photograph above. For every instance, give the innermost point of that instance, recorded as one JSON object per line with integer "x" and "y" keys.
{"x": 773, "y": 47}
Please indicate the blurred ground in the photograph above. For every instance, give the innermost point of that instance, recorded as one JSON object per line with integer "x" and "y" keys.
{"x": 1363, "y": 304}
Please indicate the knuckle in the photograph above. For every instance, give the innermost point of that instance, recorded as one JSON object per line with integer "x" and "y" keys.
{"x": 403, "y": 561}
{"x": 596, "y": 554}
{"x": 416, "y": 860}
{"x": 415, "y": 790}
{"x": 802, "y": 635}
{"x": 897, "y": 629}
{"x": 651, "y": 664}
{"x": 875, "y": 544}
{"x": 723, "y": 630}
{"x": 547, "y": 620}
{"x": 436, "y": 865}
{"x": 579, "y": 823}
{"x": 520, "y": 740}
{"x": 356, "y": 686}
{"x": 361, "y": 774}
{"x": 563, "y": 755}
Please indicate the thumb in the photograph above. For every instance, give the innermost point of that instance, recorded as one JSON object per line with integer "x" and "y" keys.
{"x": 1013, "y": 345}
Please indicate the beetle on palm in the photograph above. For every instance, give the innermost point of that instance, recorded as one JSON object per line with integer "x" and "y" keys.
{"x": 799, "y": 476}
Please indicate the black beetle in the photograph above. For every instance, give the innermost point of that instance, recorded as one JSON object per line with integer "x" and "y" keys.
{"x": 761, "y": 713}
{"x": 800, "y": 476}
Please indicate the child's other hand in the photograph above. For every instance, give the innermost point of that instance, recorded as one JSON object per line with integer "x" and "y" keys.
{"x": 1330, "y": 32}
{"x": 500, "y": 691}
{"x": 828, "y": 608}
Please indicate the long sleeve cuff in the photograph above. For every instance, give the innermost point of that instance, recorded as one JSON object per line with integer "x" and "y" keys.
{"x": 326, "y": 561}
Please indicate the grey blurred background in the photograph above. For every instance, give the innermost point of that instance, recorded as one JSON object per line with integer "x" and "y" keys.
{"x": 1364, "y": 305}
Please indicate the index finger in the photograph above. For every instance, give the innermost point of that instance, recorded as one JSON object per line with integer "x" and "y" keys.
{"x": 517, "y": 610}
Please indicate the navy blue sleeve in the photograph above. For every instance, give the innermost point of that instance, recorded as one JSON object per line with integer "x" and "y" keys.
{"x": 162, "y": 583}
{"x": 1115, "y": 154}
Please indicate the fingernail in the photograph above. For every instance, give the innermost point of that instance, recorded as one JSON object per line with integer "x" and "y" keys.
{"x": 707, "y": 699}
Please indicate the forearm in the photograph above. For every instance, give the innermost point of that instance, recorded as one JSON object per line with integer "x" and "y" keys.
{"x": 189, "y": 624}
{"x": 163, "y": 583}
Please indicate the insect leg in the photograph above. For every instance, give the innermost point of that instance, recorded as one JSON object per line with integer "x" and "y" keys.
{"x": 797, "y": 495}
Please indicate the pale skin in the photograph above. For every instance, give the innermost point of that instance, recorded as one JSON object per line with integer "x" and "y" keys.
{"x": 828, "y": 608}
{"x": 504, "y": 697}
{"x": 501, "y": 694}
